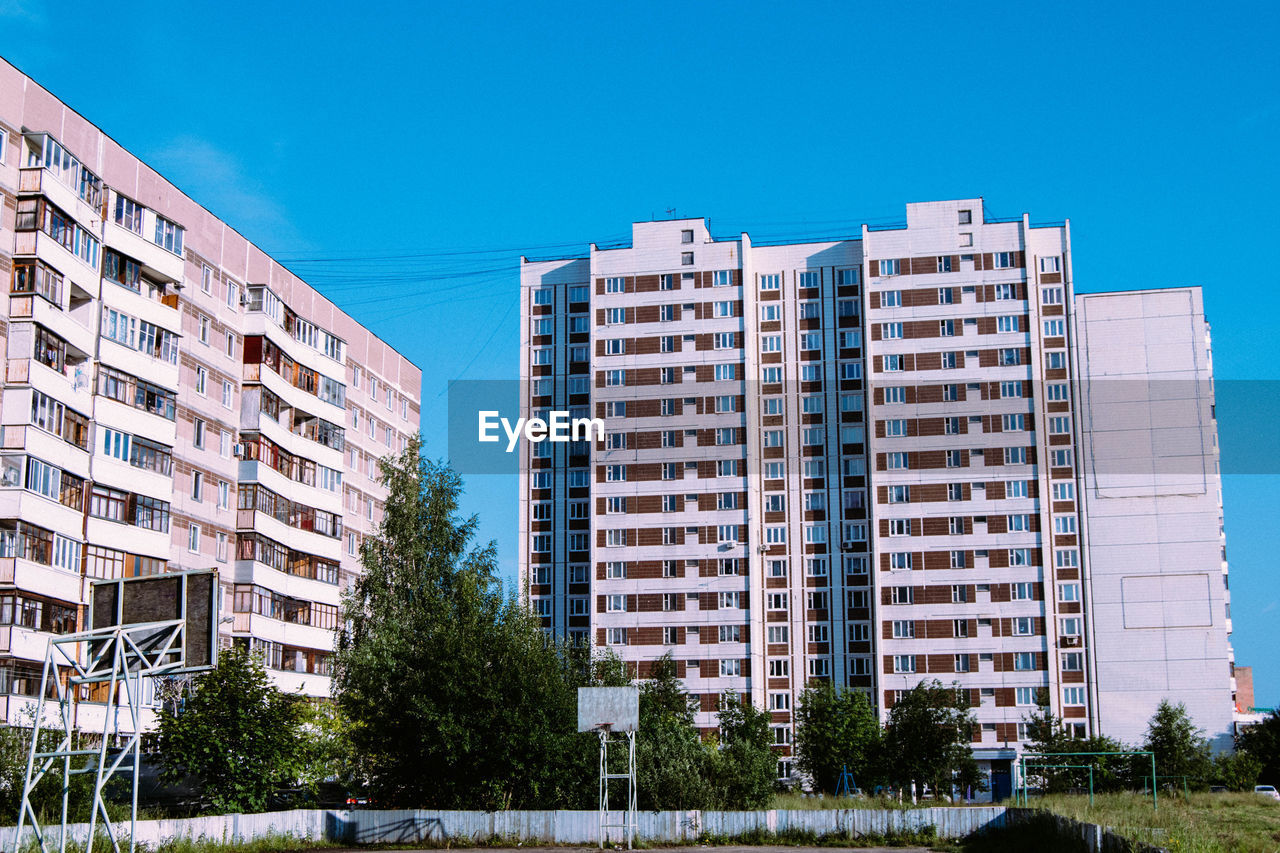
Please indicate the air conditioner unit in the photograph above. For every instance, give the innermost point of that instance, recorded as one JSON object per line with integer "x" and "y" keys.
{"x": 239, "y": 451}
{"x": 1071, "y": 641}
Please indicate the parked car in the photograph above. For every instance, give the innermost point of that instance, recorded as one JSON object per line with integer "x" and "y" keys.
{"x": 1267, "y": 791}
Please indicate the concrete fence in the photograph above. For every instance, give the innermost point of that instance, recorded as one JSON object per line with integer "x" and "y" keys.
{"x": 438, "y": 828}
{"x": 1097, "y": 839}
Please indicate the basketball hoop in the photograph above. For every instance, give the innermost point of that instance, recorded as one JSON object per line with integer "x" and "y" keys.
{"x": 142, "y": 627}
{"x": 605, "y": 710}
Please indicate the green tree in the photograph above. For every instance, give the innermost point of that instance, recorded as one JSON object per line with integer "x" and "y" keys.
{"x": 926, "y": 740}
{"x": 1237, "y": 771}
{"x": 835, "y": 729}
{"x": 326, "y": 756}
{"x": 1048, "y": 737}
{"x": 1262, "y": 741}
{"x": 672, "y": 762}
{"x": 236, "y": 735}
{"x": 1179, "y": 746}
{"x": 455, "y": 698}
{"x": 743, "y": 764}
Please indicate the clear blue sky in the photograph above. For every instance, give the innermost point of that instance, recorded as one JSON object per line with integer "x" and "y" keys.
{"x": 369, "y": 133}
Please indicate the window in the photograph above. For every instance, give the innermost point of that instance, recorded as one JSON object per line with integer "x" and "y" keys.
{"x": 1025, "y": 695}
{"x": 1073, "y": 662}
{"x": 197, "y": 485}
{"x": 890, "y": 298}
{"x": 964, "y": 663}
{"x": 1024, "y": 661}
{"x": 1003, "y": 260}
{"x": 721, "y": 278}
{"x": 1051, "y": 264}
{"x": 1070, "y": 626}
{"x": 900, "y": 560}
{"x": 168, "y": 235}
{"x": 904, "y": 629}
{"x": 193, "y": 538}
{"x": 686, "y": 259}
{"x": 890, "y": 331}
{"x": 228, "y": 394}
{"x": 1073, "y": 696}
{"x": 946, "y": 295}
{"x": 904, "y": 663}
{"x": 1064, "y": 525}
{"x": 615, "y": 636}
{"x": 891, "y": 266}
{"x": 966, "y": 217}
{"x": 1054, "y": 328}
{"x": 615, "y": 285}
{"x": 944, "y": 263}
{"x": 1068, "y": 592}
{"x": 224, "y": 494}
{"x": 1023, "y": 626}
{"x": 686, "y": 235}
{"x": 1051, "y": 295}
{"x": 770, "y": 282}
{"x": 202, "y": 380}
{"x": 950, "y": 361}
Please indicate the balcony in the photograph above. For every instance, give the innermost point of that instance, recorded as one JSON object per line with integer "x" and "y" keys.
{"x": 40, "y": 181}
{"x": 157, "y": 262}
{"x": 39, "y": 578}
{"x": 283, "y": 632}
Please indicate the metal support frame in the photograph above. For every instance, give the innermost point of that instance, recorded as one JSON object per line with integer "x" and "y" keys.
{"x": 120, "y": 657}
{"x": 1023, "y": 788}
{"x": 629, "y": 821}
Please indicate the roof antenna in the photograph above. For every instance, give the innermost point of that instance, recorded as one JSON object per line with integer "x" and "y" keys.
{"x": 671, "y": 212}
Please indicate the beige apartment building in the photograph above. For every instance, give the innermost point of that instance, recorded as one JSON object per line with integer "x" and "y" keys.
{"x": 173, "y": 399}
{"x": 915, "y": 454}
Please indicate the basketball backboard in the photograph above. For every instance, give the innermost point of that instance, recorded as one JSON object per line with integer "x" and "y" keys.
{"x": 615, "y": 709}
{"x": 191, "y": 596}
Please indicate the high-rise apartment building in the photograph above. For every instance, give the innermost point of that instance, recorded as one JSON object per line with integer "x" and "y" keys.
{"x": 173, "y": 399}
{"x": 913, "y": 455}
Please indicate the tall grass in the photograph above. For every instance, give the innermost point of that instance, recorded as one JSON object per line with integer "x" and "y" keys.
{"x": 800, "y": 801}
{"x": 1202, "y": 823}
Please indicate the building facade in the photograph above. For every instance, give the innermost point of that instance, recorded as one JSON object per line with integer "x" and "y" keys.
{"x": 173, "y": 399}
{"x": 869, "y": 461}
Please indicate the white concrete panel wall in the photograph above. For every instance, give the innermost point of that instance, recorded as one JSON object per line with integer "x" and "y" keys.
{"x": 1153, "y": 507}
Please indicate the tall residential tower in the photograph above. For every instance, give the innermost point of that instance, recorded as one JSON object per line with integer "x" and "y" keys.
{"x": 913, "y": 455}
{"x": 173, "y": 398}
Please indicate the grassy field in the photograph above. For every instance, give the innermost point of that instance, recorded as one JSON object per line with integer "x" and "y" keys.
{"x": 1206, "y": 823}
{"x": 800, "y": 801}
